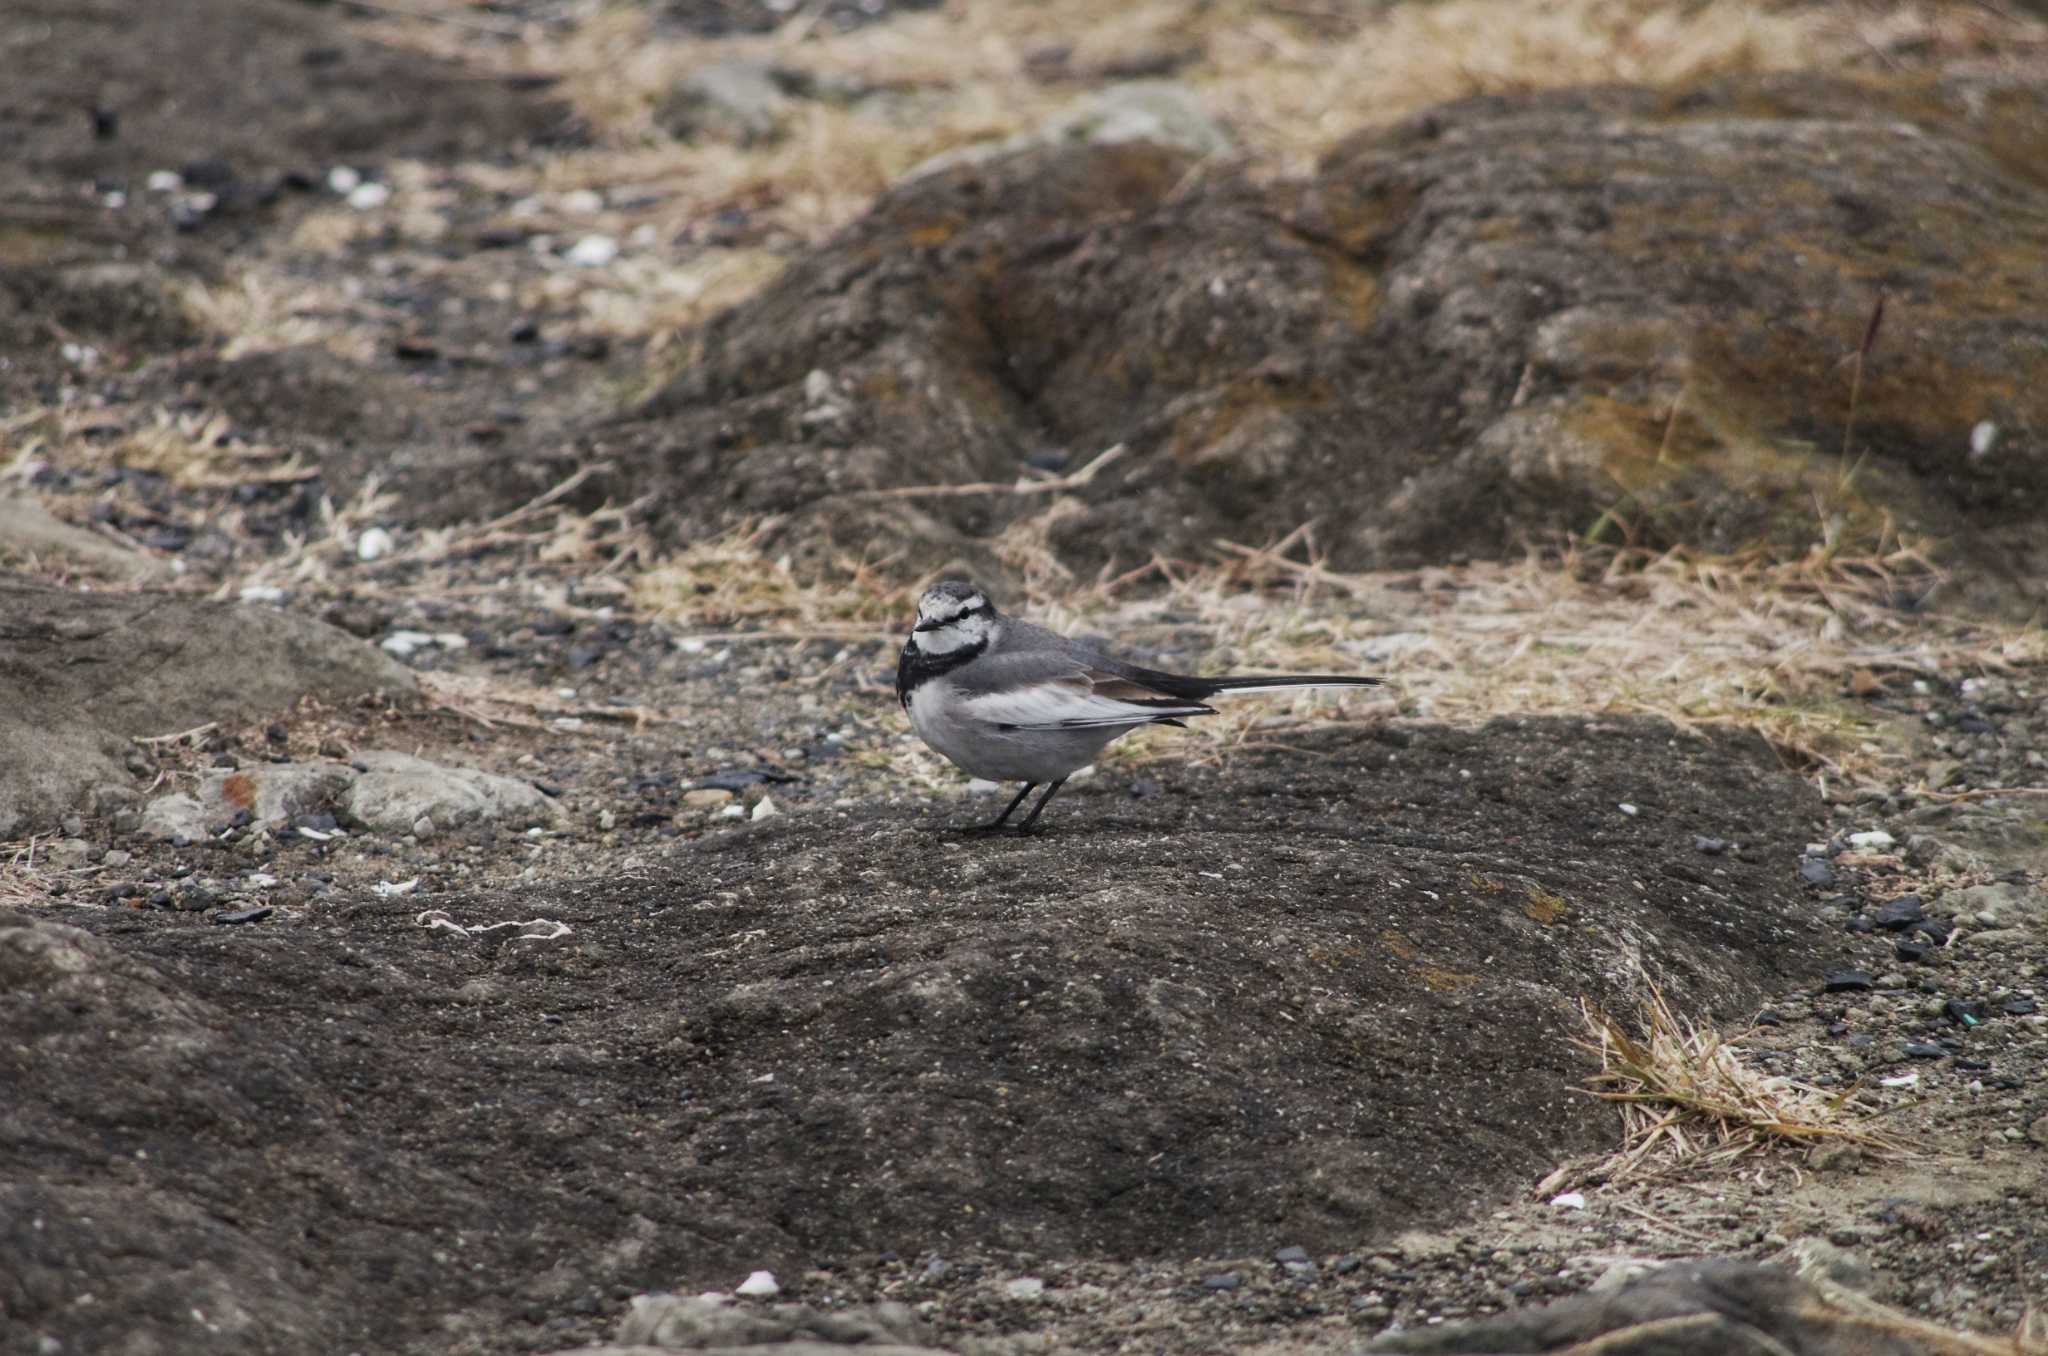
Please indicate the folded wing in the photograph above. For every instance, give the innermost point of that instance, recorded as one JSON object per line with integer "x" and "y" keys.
{"x": 1081, "y": 699}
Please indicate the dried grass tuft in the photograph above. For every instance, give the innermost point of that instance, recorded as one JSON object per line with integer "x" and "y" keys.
{"x": 729, "y": 584}
{"x": 1688, "y": 1098}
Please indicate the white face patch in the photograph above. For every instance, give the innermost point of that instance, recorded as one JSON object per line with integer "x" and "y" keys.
{"x": 935, "y": 605}
{"x": 970, "y": 629}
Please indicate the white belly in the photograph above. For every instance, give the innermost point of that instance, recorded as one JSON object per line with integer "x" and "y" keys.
{"x": 984, "y": 750}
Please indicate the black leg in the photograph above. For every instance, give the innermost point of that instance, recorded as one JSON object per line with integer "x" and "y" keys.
{"x": 1007, "y": 812}
{"x": 1039, "y": 808}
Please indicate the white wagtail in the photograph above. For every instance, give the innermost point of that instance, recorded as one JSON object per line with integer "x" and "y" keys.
{"x": 1010, "y": 701}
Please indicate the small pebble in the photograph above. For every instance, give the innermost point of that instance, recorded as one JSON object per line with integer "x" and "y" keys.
{"x": 759, "y": 1285}
{"x": 374, "y": 543}
{"x": 593, "y": 251}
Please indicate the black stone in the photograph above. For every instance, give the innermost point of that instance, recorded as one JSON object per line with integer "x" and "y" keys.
{"x": 1846, "y": 981}
{"x": 1814, "y": 871}
{"x": 1899, "y": 914}
{"x": 1861, "y": 923}
{"x": 1964, "y": 1014}
{"x": 1291, "y": 1254}
{"x": 2019, "y": 1007}
{"x": 740, "y": 778}
{"x": 1935, "y": 930}
{"x": 1923, "y": 1050}
{"x": 1915, "y": 952}
{"x": 1975, "y": 1065}
{"x": 255, "y": 915}
{"x": 1222, "y": 1280}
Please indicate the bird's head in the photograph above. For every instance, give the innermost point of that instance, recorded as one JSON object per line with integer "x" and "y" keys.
{"x": 952, "y": 615}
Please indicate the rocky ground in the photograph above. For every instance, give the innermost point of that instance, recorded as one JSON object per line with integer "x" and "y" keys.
{"x": 517, "y": 892}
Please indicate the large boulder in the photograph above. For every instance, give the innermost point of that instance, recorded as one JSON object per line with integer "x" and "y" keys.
{"x": 85, "y": 674}
{"x": 1468, "y": 329}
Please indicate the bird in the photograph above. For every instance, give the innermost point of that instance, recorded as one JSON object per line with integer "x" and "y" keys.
{"x": 1012, "y": 702}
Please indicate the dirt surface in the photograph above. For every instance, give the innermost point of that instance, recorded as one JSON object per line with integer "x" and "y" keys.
{"x": 1312, "y": 1003}
{"x": 1269, "y": 1042}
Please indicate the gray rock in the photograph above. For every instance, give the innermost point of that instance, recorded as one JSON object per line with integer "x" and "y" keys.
{"x": 1706, "y": 1308}
{"x": 395, "y": 790}
{"x": 738, "y": 100}
{"x": 70, "y": 852}
{"x": 275, "y": 793}
{"x": 176, "y": 816}
{"x": 2007, "y": 901}
{"x": 86, "y": 673}
{"x": 702, "y": 1322}
{"x": 26, "y": 528}
{"x": 1821, "y": 1260}
{"x": 1165, "y": 113}
{"x": 272, "y": 793}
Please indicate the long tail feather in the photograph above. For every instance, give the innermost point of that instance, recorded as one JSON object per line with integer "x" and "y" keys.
{"x": 1250, "y": 683}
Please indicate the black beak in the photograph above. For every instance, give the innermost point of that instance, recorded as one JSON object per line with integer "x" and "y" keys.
{"x": 928, "y": 625}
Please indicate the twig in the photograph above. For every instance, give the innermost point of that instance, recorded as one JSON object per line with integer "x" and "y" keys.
{"x": 1855, "y": 391}
{"x": 1072, "y": 481}
{"x": 151, "y": 741}
{"x": 424, "y": 16}
{"x": 1660, "y": 1222}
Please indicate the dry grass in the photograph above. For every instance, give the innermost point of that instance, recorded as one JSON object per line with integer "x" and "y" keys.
{"x": 1288, "y": 78}
{"x": 1688, "y": 1098}
{"x": 1784, "y": 648}
{"x": 728, "y": 586}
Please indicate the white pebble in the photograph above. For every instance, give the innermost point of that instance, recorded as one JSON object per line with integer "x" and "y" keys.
{"x": 403, "y": 643}
{"x": 593, "y": 251}
{"x": 391, "y": 889}
{"x": 344, "y": 178}
{"x": 262, "y": 880}
{"x": 164, "y": 181}
{"x": 759, "y": 1285}
{"x": 262, "y": 593}
{"x": 1025, "y": 1287}
{"x": 733, "y": 812}
{"x": 1626, "y": 808}
{"x": 374, "y": 543}
{"x": 981, "y": 786}
{"x": 765, "y": 809}
{"x": 1875, "y": 838}
{"x": 1570, "y": 1200}
{"x": 368, "y": 197}
{"x": 584, "y": 200}
{"x": 1983, "y": 437}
